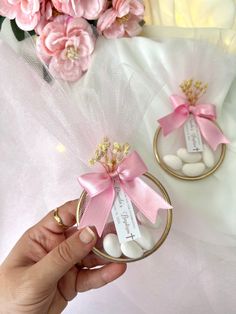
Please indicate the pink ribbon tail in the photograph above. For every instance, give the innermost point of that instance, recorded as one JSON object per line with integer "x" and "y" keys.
{"x": 97, "y": 210}
{"x": 174, "y": 120}
{"x": 211, "y": 133}
{"x": 145, "y": 198}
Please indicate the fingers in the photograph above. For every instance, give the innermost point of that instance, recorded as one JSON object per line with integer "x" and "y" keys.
{"x": 67, "y": 284}
{"x": 67, "y": 213}
{"x": 92, "y": 260}
{"x": 25, "y": 252}
{"x": 42, "y": 238}
{"x": 96, "y": 278}
{"x": 58, "y": 304}
{"x": 82, "y": 280}
{"x": 68, "y": 233}
{"x": 61, "y": 259}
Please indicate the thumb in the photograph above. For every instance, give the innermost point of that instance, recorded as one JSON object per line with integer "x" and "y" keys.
{"x": 60, "y": 260}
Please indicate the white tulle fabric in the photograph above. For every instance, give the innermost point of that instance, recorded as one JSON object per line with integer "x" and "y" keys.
{"x": 195, "y": 270}
{"x": 193, "y": 59}
{"x": 49, "y": 131}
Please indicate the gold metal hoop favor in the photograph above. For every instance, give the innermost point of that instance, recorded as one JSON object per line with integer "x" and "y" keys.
{"x": 160, "y": 241}
{"x": 177, "y": 175}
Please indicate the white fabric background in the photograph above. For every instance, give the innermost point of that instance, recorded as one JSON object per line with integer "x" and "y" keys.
{"x": 194, "y": 13}
{"x": 194, "y": 271}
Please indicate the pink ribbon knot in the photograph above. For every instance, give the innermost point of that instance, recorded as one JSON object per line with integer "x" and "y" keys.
{"x": 101, "y": 191}
{"x": 204, "y": 114}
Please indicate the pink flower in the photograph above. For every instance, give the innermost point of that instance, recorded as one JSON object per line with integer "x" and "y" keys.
{"x": 26, "y": 12}
{"x": 46, "y": 12}
{"x": 89, "y": 9}
{"x": 123, "y": 19}
{"x": 65, "y": 45}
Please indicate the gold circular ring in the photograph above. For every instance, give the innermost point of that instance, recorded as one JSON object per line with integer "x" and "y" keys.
{"x": 58, "y": 219}
{"x": 179, "y": 176}
{"x": 160, "y": 241}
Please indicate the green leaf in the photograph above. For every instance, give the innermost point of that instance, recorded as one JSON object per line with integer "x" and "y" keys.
{"x": 19, "y": 33}
{"x": 32, "y": 33}
{"x": 2, "y": 18}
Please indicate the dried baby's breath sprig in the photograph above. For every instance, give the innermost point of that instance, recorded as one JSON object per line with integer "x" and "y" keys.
{"x": 193, "y": 90}
{"x": 110, "y": 154}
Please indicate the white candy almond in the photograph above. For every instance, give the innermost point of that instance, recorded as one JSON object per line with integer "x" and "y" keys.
{"x": 194, "y": 169}
{"x": 146, "y": 241}
{"x": 208, "y": 156}
{"x": 173, "y": 161}
{"x": 111, "y": 245}
{"x": 188, "y": 157}
{"x": 131, "y": 249}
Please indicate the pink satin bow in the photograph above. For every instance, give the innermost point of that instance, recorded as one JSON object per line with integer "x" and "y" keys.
{"x": 100, "y": 188}
{"x": 204, "y": 115}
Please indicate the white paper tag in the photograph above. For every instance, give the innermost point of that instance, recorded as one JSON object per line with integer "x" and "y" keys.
{"x": 193, "y": 136}
{"x": 124, "y": 217}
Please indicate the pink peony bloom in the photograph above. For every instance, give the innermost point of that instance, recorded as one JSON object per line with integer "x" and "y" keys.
{"x": 47, "y": 15}
{"x": 123, "y": 19}
{"x": 65, "y": 45}
{"x": 89, "y": 9}
{"x": 26, "y": 12}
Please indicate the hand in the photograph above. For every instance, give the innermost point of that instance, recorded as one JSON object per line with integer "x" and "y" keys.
{"x": 39, "y": 276}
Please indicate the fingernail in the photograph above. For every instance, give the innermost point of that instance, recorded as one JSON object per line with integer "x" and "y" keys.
{"x": 87, "y": 235}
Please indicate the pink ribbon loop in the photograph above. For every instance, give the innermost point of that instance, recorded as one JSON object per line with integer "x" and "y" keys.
{"x": 205, "y": 115}
{"x": 100, "y": 188}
